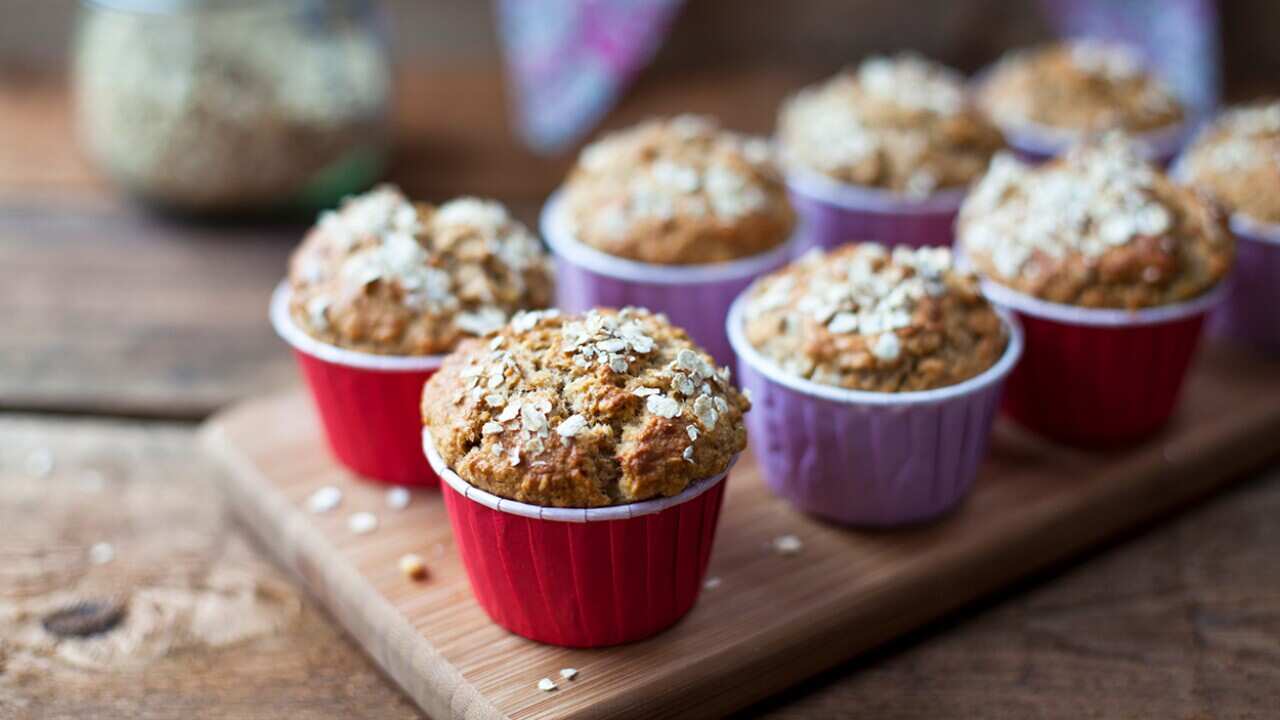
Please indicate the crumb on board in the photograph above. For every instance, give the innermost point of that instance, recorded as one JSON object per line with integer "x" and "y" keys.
{"x": 546, "y": 685}
{"x": 412, "y": 566}
{"x": 711, "y": 583}
{"x": 568, "y": 673}
{"x": 787, "y": 545}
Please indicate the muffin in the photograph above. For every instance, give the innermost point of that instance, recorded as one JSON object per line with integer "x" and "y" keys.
{"x": 605, "y": 408}
{"x": 864, "y": 318}
{"x": 1047, "y": 97}
{"x": 677, "y": 216}
{"x": 883, "y": 152}
{"x": 1099, "y": 227}
{"x": 901, "y": 124}
{"x": 1111, "y": 269}
{"x": 1236, "y": 160}
{"x": 876, "y": 375}
{"x": 584, "y": 459}
{"x": 377, "y": 292}
{"x": 387, "y": 276}
{"x": 678, "y": 192}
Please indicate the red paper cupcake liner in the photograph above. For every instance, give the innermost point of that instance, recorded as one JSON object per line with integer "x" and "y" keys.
{"x": 368, "y": 404}
{"x": 833, "y": 214}
{"x": 1099, "y": 378}
{"x": 693, "y": 297}
{"x": 584, "y": 577}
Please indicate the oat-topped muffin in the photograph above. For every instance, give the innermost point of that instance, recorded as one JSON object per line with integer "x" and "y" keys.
{"x": 678, "y": 192}
{"x": 1237, "y": 161}
{"x": 604, "y": 408}
{"x": 900, "y": 124}
{"x": 384, "y": 275}
{"x": 1098, "y": 227}
{"x": 864, "y": 318}
{"x": 1078, "y": 87}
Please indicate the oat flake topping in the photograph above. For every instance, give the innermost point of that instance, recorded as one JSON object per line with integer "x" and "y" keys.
{"x": 1100, "y": 196}
{"x": 382, "y": 274}
{"x": 899, "y": 123}
{"x": 515, "y": 412}
{"x": 866, "y": 317}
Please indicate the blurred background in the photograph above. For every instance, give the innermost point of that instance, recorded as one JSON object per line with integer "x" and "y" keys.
{"x": 455, "y": 132}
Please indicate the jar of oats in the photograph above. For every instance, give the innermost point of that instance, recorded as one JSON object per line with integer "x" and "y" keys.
{"x": 222, "y": 106}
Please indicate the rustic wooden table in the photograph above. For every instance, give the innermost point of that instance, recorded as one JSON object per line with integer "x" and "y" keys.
{"x": 119, "y": 329}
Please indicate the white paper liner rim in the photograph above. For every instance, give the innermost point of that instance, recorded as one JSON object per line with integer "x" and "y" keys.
{"x": 859, "y": 197}
{"x": 555, "y": 231}
{"x": 574, "y": 515}
{"x": 284, "y": 326}
{"x": 1101, "y": 317}
{"x": 996, "y": 373}
{"x": 1043, "y": 139}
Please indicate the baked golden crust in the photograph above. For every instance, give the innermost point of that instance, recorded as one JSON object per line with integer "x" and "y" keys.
{"x": 605, "y": 408}
{"x": 383, "y": 275}
{"x": 1098, "y": 227}
{"x": 864, "y": 318}
{"x": 678, "y": 192}
{"x": 901, "y": 124}
{"x": 1078, "y": 87}
{"x": 1236, "y": 160}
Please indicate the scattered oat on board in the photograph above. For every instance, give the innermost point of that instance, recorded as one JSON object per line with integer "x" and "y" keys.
{"x": 101, "y": 553}
{"x": 546, "y": 685}
{"x": 568, "y": 673}
{"x": 787, "y": 545}
{"x": 398, "y": 498}
{"x": 39, "y": 463}
{"x": 362, "y": 522}
{"x": 324, "y": 499}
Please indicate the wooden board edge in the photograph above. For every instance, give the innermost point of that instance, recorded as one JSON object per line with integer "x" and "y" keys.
{"x": 411, "y": 661}
{"x": 789, "y": 654}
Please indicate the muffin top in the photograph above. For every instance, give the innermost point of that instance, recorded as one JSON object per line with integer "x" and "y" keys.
{"x": 678, "y": 192}
{"x": 1237, "y": 161}
{"x": 384, "y": 275}
{"x": 1078, "y": 87}
{"x": 900, "y": 124}
{"x": 599, "y": 409}
{"x": 1098, "y": 227}
{"x": 864, "y": 318}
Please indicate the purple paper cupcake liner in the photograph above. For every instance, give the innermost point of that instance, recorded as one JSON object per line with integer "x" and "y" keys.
{"x": 867, "y": 458}
{"x": 834, "y": 213}
{"x": 693, "y": 297}
{"x": 1249, "y": 314}
{"x": 1038, "y": 143}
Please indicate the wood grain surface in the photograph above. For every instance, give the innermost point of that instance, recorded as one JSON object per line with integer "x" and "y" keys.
{"x": 774, "y": 620}
{"x": 149, "y": 492}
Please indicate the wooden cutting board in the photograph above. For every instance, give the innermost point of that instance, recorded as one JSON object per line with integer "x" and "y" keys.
{"x": 773, "y": 619}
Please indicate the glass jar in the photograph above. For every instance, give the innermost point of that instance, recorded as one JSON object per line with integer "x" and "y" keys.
{"x": 224, "y": 106}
